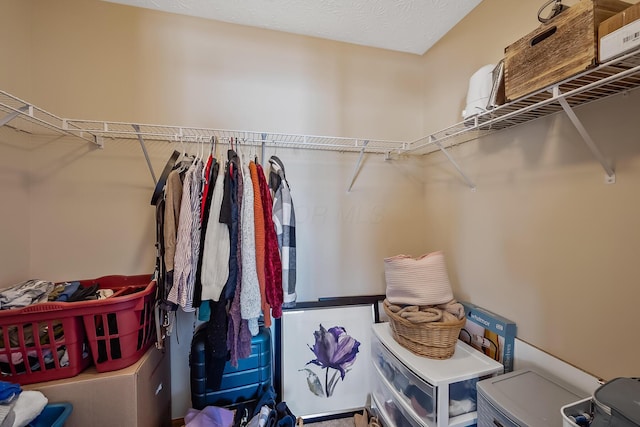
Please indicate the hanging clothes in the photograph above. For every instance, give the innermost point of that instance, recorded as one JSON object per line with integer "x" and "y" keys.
{"x": 272, "y": 263}
{"x": 260, "y": 242}
{"x": 285, "y": 222}
{"x": 213, "y": 276}
{"x": 210, "y": 174}
{"x": 250, "y": 302}
{"x": 217, "y": 352}
{"x": 173, "y": 200}
{"x": 229, "y": 215}
{"x": 196, "y": 226}
{"x": 185, "y": 259}
{"x": 215, "y": 256}
{"x": 238, "y": 335}
{"x": 223, "y": 227}
{"x": 209, "y": 181}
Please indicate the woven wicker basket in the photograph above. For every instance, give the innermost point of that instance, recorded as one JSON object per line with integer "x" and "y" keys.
{"x": 435, "y": 340}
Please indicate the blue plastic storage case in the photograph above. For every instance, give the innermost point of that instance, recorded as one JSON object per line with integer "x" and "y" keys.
{"x": 239, "y": 385}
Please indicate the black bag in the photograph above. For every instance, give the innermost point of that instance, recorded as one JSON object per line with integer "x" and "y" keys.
{"x": 617, "y": 403}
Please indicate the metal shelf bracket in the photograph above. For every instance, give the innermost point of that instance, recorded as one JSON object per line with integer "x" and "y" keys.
{"x": 6, "y": 119}
{"x": 470, "y": 183}
{"x": 146, "y": 155}
{"x": 610, "y": 175}
{"x": 357, "y": 168}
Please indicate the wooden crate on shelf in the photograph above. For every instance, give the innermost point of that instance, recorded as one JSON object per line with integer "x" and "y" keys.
{"x": 558, "y": 49}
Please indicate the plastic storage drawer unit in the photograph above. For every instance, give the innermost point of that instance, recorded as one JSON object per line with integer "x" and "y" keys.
{"x": 404, "y": 385}
{"x": 392, "y": 407}
{"x": 524, "y": 398}
{"x": 412, "y": 390}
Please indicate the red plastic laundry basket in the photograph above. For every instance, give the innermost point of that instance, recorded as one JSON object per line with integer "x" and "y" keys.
{"x": 60, "y": 350}
{"x": 120, "y": 328}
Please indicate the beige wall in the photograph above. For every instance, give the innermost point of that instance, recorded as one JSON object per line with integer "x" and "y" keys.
{"x": 98, "y": 60}
{"x": 14, "y": 148}
{"x": 89, "y": 212}
{"x": 543, "y": 241}
{"x": 14, "y": 209}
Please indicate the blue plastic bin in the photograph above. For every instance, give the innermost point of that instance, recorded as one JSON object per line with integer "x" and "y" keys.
{"x": 53, "y": 415}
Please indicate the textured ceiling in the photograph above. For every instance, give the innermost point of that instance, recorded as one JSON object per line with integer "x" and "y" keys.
{"x": 411, "y": 26}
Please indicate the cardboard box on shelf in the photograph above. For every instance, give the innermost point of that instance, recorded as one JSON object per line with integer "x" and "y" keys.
{"x": 136, "y": 396}
{"x": 489, "y": 333}
{"x": 620, "y": 33}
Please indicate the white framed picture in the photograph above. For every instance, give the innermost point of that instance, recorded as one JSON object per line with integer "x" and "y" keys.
{"x": 325, "y": 351}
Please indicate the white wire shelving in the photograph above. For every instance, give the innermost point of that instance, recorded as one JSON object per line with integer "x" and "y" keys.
{"x": 616, "y": 76}
{"x": 198, "y": 134}
{"x": 611, "y": 78}
{"x": 24, "y": 116}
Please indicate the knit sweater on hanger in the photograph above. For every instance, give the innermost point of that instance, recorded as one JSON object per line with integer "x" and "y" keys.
{"x": 250, "y": 303}
{"x": 272, "y": 264}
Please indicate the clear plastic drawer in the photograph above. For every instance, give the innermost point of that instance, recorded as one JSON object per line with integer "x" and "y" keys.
{"x": 392, "y": 409}
{"x": 415, "y": 391}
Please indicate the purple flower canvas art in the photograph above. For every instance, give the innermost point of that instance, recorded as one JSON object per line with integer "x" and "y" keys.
{"x": 325, "y": 361}
{"x": 335, "y": 352}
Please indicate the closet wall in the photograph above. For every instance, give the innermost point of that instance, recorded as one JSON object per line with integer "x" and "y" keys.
{"x": 87, "y": 209}
{"x": 543, "y": 241}
{"x": 14, "y": 153}
{"x": 14, "y": 226}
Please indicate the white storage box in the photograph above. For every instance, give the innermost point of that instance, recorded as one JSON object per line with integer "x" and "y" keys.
{"x": 523, "y": 398}
{"x": 584, "y": 406}
{"x": 620, "y": 41}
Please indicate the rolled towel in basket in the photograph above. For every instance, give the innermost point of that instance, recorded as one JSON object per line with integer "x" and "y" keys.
{"x": 448, "y": 317}
{"x": 421, "y": 281}
{"x": 399, "y": 309}
{"x": 424, "y": 315}
{"x": 453, "y": 307}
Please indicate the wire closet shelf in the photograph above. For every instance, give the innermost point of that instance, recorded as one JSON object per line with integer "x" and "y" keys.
{"x": 197, "y": 134}
{"x": 617, "y": 76}
{"x": 26, "y": 117}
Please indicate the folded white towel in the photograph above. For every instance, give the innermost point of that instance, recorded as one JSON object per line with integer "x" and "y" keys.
{"x": 28, "y": 406}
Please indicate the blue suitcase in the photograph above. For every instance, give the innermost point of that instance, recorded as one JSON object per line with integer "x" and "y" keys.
{"x": 240, "y": 385}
